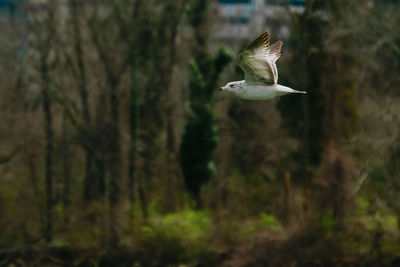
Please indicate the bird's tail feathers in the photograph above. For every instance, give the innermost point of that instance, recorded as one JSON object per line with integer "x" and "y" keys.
{"x": 299, "y": 92}
{"x": 286, "y": 89}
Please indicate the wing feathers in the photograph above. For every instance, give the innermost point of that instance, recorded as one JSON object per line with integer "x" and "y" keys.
{"x": 275, "y": 51}
{"x": 258, "y": 60}
{"x": 273, "y": 55}
{"x": 262, "y": 40}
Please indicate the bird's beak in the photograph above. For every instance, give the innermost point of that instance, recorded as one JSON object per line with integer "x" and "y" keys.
{"x": 222, "y": 89}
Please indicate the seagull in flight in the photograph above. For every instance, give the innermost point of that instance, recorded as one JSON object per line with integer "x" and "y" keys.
{"x": 260, "y": 72}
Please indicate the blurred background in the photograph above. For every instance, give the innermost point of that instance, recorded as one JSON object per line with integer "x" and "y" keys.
{"x": 117, "y": 149}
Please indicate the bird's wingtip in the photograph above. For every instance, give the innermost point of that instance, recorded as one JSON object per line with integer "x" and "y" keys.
{"x": 299, "y": 92}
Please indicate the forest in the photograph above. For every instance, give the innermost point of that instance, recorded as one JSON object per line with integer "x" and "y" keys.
{"x": 117, "y": 149}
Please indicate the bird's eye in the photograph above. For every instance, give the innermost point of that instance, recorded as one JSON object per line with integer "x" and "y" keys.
{"x": 231, "y": 85}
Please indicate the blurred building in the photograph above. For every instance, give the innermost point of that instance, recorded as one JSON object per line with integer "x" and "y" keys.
{"x": 244, "y": 18}
{"x": 7, "y": 8}
{"x": 12, "y": 9}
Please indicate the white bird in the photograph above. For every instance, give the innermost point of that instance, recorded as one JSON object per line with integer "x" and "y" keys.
{"x": 260, "y": 72}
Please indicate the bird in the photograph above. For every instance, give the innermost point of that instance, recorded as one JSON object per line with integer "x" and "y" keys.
{"x": 258, "y": 62}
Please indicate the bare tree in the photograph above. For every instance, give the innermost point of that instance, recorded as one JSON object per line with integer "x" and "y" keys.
{"x": 45, "y": 31}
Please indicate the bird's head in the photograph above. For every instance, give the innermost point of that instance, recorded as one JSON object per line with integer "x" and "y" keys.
{"x": 232, "y": 87}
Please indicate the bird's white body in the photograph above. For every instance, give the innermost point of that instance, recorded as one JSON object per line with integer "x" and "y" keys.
{"x": 259, "y": 92}
{"x": 258, "y": 63}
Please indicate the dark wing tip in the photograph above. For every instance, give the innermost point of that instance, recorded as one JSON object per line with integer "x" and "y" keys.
{"x": 262, "y": 39}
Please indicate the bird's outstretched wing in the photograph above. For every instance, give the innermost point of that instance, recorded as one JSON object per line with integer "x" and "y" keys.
{"x": 258, "y": 61}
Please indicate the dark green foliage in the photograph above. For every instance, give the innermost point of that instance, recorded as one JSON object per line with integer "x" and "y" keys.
{"x": 198, "y": 144}
{"x": 197, "y": 12}
{"x": 200, "y": 137}
{"x": 389, "y": 1}
{"x": 394, "y": 162}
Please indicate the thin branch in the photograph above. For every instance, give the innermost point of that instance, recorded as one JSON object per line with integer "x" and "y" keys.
{"x": 7, "y": 158}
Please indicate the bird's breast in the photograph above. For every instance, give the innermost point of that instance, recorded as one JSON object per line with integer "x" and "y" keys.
{"x": 258, "y": 92}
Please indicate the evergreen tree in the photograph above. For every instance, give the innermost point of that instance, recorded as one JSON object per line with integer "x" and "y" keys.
{"x": 200, "y": 136}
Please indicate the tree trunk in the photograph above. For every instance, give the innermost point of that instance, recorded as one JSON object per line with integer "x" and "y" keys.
{"x": 48, "y": 130}
{"x": 133, "y": 126}
{"x": 94, "y": 180}
{"x": 66, "y": 165}
{"x": 306, "y": 142}
{"x": 134, "y": 115}
{"x": 114, "y": 162}
{"x": 115, "y": 154}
